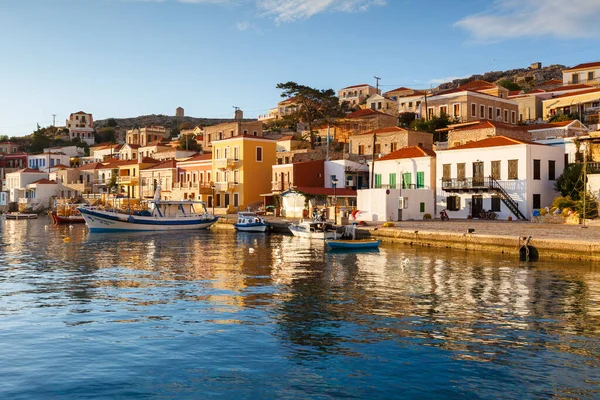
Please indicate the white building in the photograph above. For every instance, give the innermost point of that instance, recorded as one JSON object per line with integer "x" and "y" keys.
{"x": 39, "y": 194}
{"x": 349, "y": 174}
{"x": 508, "y": 176}
{"x": 45, "y": 161}
{"x": 16, "y": 182}
{"x": 81, "y": 126}
{"x": 403, "y": 188}
{"x": 71, "y": 151}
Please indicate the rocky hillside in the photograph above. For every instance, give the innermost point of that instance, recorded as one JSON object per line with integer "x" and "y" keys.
{"x": 168, "y": 121}
{"x": 526, "y": 78}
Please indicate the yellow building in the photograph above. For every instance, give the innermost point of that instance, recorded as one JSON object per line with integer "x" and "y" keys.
{"x": 128, "y": 178}
{"x": 242, "y": 170}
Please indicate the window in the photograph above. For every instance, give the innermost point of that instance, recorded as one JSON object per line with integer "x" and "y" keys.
{"x": 217, "y": 154}
{"x": 377, "y": 148}
{"x": 393, "y": 146}
{"x": 420, "y": 180}
{"x": 536, "y": 169}
{"x": 410, "y": 104}
{"x": 513, "y": 117}
{"x": 259, "y": 154}
{"x": 422, "y": 207}
{"x": 513, "y": 169}
{"x": 236, "y": 176}
{"x": 496, "y": 169}
{"x": 443, "y": 110}
{"x": 453, "y": 203}
{"x": 490, "y": 113}
{"x": 406, "y": 180}
{"x": 537, "y": 200}
{"x": 460, "y": 171}
{"x": 255, "y": 133}
{"x": 361, "y": 149}
{"x": 498, "y": 114}
{"x": 446, "y": 171}
{"x": 430, "y": 112}
{"x": 473, "y": 110}
{"x": 392, "y": 181}
{"x": 379, "y": 105}
{"x": 456, "y": 110}
{"x": 236, "y": 199}
{"x": 506, "y": 115}
{"x": 575, "y": 78}
{"x": 591, "y": 76}
{"x": 495, "y": 204}
{"x": 377, "y": 180}
{"x": 551, "y": 170}
{"x": 482, "y": 111}
{"x": 236, "y": 153}
{"x": 372, "y": 106}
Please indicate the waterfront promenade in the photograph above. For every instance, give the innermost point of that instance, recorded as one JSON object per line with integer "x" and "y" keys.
{"x": 551, "y": 240}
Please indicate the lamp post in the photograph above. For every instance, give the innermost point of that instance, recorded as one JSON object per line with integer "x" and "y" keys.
{"x": 213, "y": 199}
{"x": 334, "y": 183}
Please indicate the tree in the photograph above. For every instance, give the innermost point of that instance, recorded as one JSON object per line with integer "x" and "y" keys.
{"x": 564, "y": 117}
{"x": 570, "y": 183}
{"x": 188, "y": 142}
{"x": 508, "y": 84}
{"x": 111, "y": 123}
{"x": 3, "y": 138}
{"x": 312, "y": 105}
{"x": 433, "y": 125}
{"x": 186, "y": 125}
{"x": 105, "y": 135}
{"x": 406, "y": 118}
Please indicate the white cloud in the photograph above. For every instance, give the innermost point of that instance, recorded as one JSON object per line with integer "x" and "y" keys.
{"x": 293, "y": 10}
{"x": 439, "y": 81}
{"x": 243, "y": 26}
{"x": 509, "y": 19}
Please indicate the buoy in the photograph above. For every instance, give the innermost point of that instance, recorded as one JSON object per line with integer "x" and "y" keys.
{"x": 251, "y": 250}
{"x": 45, "y": 226}
{"x": 67, "y": 239}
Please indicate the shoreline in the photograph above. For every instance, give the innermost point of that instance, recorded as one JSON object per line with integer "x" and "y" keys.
{"x": 567, "y": 242}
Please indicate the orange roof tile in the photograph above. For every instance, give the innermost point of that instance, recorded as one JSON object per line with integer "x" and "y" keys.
{"x": 43, "y": 181}
{"x": 408, "y": 152}
{"x": 570, "y": 87}
{"x": 577, "y": 93}
{"x": 166, "y": 164}
{"x": 477, "y": 84}
{"x": 495, "y": 141}
{"x": 355, "y": 86}
{"x": 390, "y": 129}
{"x": 584, "y": 65}
{"x": 364, "y": 112}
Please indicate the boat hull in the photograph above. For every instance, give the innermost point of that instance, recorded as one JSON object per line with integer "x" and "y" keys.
{"x": 60, "y": 220}
{"x": 358, "y": 244}
{"x": 106, "y": 221}
{"x": 257, "y": 227}
{"x": 299, "y": 232}
{"x": 20, "y": 216}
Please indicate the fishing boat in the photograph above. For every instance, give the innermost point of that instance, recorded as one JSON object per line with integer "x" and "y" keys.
{"x": 67, "y": 214}
{"x": 313, "y": 230}
{"x": 18, "y": 215}
{"x": 250, "y": 222}
{"x": 161, "y": 215}
{"x": 348, "y": 241}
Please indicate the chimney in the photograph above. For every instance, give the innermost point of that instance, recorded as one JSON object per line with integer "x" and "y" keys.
{"x": 140, "y": 157}
{"x": 238, "y": 116}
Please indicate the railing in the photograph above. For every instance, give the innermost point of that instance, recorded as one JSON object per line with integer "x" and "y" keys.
{"x": 467, "y": 183}
{"x": 280, "y": 186}
{"x": 186, "y": 185}
{"x": 224, "y": 163}
{"x": 223, "y": 186}
{"x": 128, "y": 180}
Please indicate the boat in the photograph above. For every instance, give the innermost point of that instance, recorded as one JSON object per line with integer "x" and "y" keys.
{"x": 348, "y": 241}
{"x": 160, "y": 215}
{"x": 313, "y": 230}
{"x": 250, "y": 222}
{"x": 67, "y": 214}
{"x": 18, "y": 215}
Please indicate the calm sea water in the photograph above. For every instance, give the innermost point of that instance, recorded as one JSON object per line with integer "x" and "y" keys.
{"x": 226, "y": 315}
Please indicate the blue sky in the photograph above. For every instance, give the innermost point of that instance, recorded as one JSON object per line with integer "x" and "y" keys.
{"x": 124, "y": 58}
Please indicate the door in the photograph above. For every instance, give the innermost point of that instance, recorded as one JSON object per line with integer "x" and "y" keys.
{"x": 476, "y": 206}
{"x": 478, "y": 173}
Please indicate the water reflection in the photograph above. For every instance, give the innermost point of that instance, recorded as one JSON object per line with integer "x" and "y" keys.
{"x": 373, "y": 315}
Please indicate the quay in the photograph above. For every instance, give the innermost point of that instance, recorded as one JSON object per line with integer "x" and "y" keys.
{"x": 552, "y": 241}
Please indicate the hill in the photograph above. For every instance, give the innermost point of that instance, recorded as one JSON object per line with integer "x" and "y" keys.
{"x": 525, "y": 78}
{"x": 168, "y": 121}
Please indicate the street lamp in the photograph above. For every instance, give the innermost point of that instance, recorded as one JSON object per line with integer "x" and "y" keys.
{"x": 334, "y": 183}
{"x": 213, "y": 199}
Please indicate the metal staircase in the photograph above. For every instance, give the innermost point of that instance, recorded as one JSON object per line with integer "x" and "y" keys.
{"x": 512, "y": 205}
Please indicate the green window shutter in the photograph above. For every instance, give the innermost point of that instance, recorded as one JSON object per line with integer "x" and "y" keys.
{"x": 392, "y": 181}
{"x": 420, "y": 180}
{"x": 377, "y": 180}
{"x": 406, "y": 180}
{"x": 422, "y": 207}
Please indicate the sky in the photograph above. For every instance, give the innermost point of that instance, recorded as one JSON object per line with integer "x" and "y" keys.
{"x": 124, "y": 58}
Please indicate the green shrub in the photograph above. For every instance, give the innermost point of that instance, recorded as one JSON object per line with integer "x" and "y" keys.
{"x": 427, "y": 216}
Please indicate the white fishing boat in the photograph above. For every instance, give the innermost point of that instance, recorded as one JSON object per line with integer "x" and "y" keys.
{"x": 18, "y": 215}
{"x": 250, "y": 222}
{"x": 313, "y": 230}
{"x": 161, "y": 215}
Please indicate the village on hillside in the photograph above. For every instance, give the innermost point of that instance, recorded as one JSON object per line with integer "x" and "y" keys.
{"x": 477, "y": 150}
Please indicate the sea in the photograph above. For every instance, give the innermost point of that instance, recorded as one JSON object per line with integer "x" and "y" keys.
{"x": 226, "y": 315}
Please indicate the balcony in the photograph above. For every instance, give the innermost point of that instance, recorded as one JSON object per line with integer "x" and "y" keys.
{"x": 127, "y": 180}
{"x": 469, "y": 184}
{"x": 224, "y": 186}
{"x": 224, "y": 163}
{"x": 280, "y": 186}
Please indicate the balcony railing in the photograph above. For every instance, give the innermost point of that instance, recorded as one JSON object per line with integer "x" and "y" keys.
{"x": 127, "y": 180}
{"x": 468, "y": 183}
{"x": 224, "y": 186}
{"x": 224, "y": 163}
{"x": 280, "y": 186}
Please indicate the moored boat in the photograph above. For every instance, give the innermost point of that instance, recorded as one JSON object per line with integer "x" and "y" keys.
{"x": 353, "y": 244}
{"x": 18, "y": 215}
{"x": 67, "y": 214}
{"x": 313, "y": 230}
{"x": 250, "y": 222}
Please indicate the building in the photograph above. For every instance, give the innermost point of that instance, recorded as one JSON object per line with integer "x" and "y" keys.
{"x": 403, "y": 188}
{"x": 143, "y": 136}
{"x": 228, "y": 130}
{"x": 355, "y": 95}
{"x": 588, "y": 73}
{"x": 39, "y": 194}
{"x": 387, "y": 140}
{"x": 585, "y": 103}
{"x": 508, "y": 176}
{"x": 8, "y": 147}
{"x": 128, "y": 176}
{"x": 485, "y": 87}
{"x": 358, "y": 122}
{"x": 129, "y": 151}
{"x": 195, "y": 179}
{"x": 45, "y": 161}
{"x": 382, "y": 104}
{"x": 164, "y": 175}
{"x": 81, "y": 126}
{"x": 414, "y": 103}
{"x": 179, "y": 112}
{"x": 349, "y": 174}
{"x": 153, "y": 147}
{"x": 16, "y": 182}
{"x": 242, "y": 170}
{"x": 291, "y": 175}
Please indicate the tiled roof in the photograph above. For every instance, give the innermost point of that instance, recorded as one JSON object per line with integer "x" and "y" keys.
{"x": 134, "y": 146}
{"x": 60, "y": 166}
{"x": 29, "y": 170}
{"x": 477, "y": 84}
{"x": 584, "y": 65}
{"x": 390, "y": 129}
{"x": 166, "y": 164}
{"x": 284, "y": 138}
{"x": 552, "y": 82}
{"x": 537, "y": 91}
{"x": 577, "y": 93}
{"x": 364, "y": 112}
{"x": 570, "y": 87}
{"x": 90, "y": 166}
{"x": 408, "y": 152}
{"x": 515, "y": 92}
{"x": 199, "y": 157}
{"x": 355, "y": 86}
{"x": 495, "y": 141}
{"x": 323, "y": 191}
{"x": 43, "y": 181}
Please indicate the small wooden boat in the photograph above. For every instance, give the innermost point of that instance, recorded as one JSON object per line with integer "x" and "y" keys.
{"x": 313, "y": 230}
{"x": 67, "y": 214}
{"x": 18, "y": 215}
{"x": 250, "y": 222}
{"x": 353, "y": 244}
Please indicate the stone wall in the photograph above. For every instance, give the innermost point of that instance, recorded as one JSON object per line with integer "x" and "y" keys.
{"x": 460, "y": 137}
{"x": 385, "y": 140}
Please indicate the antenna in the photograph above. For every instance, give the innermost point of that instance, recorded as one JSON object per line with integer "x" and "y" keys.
{"x": 236, "y": 108}
{"x": 377, "y": 79}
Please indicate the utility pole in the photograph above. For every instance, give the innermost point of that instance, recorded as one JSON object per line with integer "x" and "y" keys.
{"x": 426, "y": 110}
{"x": 53, "y": 119}
{"x": 373, "y": 162}
{"x": 377, "y": 84}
